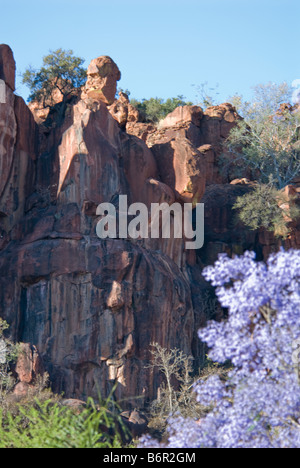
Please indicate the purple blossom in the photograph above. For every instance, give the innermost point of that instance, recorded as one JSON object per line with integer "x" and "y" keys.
{"x": 258, "y": 405}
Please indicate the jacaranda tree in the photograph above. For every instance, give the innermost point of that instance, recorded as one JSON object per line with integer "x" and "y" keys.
{"x": 258, "y": 405}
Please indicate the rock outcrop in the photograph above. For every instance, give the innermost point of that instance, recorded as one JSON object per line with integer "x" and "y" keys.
{"x": 29, "y": 367}
{"x": 18, "y": 151}
{"x": 7, "y": 66}
{"x": 91, "y": 307}
{"x": 102, "y": 77}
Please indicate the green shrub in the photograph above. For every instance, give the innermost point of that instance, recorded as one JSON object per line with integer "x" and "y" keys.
{"x": 51, "y": 425}
{"x": 266, "y": 140}
{"x": 61, "y": 71}
{"x": 266, "y": 207}
{"x": 41, "y": 420}
{"x": 155, "y": 109}
{"x": 265, "y": 146}
{"x": 8, "y": 355}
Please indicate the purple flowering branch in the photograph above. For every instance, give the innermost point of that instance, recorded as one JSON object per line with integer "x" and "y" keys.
{"x": 258, "y": 405}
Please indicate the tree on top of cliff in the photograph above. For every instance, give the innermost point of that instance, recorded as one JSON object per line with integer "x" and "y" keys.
{"x": 61, "y": 72}
{"x": 155, "y": 109}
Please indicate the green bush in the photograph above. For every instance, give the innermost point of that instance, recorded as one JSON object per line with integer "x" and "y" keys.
{"x": 265, "y": 146}
{"x": 8, "y": 355}
{"x": 41, "y": 420}
{"x": 155, "y": 109}
{"x": 51, "y": 425}
{"x": 61, "y": 71}
{"x": 266, "y": 140}
{"x": 266, "y": 207}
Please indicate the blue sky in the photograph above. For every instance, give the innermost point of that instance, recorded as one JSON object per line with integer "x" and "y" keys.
{"x": 163, "y": 47}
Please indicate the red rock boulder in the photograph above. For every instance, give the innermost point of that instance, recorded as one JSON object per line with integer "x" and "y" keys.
{"x": 102, "y": 77}
{"x": 7, "y": 66}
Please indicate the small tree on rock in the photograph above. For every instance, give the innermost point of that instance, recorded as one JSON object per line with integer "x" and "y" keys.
{"x": 61, "y": 71}
{"x": 266, "y": 143}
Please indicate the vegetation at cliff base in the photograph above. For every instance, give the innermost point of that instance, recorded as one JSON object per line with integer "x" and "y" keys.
{"x": 49, "y": 424}
{"x": 8, "y": 355}
{"x": 42, "y": 419}
{"x": 258, "y": 404}
{"x": 176, "y": 395}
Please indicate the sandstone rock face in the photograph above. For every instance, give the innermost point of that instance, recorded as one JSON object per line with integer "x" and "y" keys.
{"x": 42, "y": 110}
{"x": 213, "y": 175}
{"x": 29, "y": 367}
{"x": 205, "y": 132}
{"x": 225, "y": 234}
{"x": 7, "y": 66}
{"x": 29, "y": 364}
{"x": 217, "y": 123}
{"x": 192, "y": 114}
{"x": 129, "y": 117}
{"x": 8, "y": 126}
{"x": 91, "y": 307}
{"x": 18, "y": 150}
{"x": 182, "y": 167}
{"x": 120, "y": 109}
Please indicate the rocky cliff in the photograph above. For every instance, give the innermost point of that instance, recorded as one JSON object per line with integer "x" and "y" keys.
{"x": 92, "y": 307}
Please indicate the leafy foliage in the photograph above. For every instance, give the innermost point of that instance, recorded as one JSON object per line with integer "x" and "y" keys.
{"x": 265, "y": 144}
{"x": 269, "y": 147}
{"x": 51, "y": 425}
{"x": 267, "y": 207}
{"x": 40, "y": 419}
{"x": 61, "y": 71}
{"x": 267, "y": 99}
{"x": 258, "y": 404}
{"x": 155, "y": 109}
{"x": 8, "y": 355}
